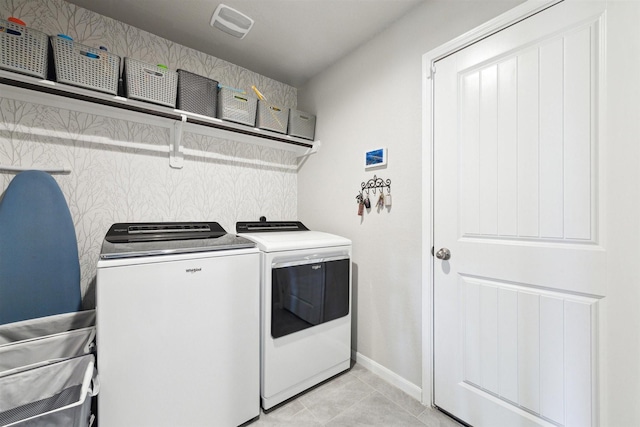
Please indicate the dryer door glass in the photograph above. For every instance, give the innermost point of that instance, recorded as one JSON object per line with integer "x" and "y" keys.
{"x": 306, "y": 295}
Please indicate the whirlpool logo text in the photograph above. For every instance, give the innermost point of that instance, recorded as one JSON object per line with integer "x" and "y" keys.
{"x": 193, "y": 270}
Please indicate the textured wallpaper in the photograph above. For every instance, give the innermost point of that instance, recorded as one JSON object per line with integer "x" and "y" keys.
{"x": 116, "y": 176}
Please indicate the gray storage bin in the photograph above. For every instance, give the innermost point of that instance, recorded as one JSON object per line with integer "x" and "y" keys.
{"x": 85, "y": 66}
{"x": 237, "y": 107}
{"x": 23, "y": 49}
{"x": 26, "y": 354}
{"x": 197, "y": 94}
{"x": 58, "y": 394}
{"x": 44, "y": 340}
{"x": 45, "y": 326}
{"x": 301, "y": 124}
{"x": 272, "y": 117}
{"x": 146, "y": 82}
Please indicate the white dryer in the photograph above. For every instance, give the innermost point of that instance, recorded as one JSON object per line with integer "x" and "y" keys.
{"x": 305, "y": 307}
{"x": 177, "y": 326}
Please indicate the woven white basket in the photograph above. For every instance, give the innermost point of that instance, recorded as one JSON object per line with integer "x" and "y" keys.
{"x": 23, "y": 50}
{"x": 85, "y": 66}
{"x": 150, "y": 83}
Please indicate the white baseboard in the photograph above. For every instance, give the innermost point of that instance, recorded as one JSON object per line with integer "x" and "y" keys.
{"x": 388, "y": 375}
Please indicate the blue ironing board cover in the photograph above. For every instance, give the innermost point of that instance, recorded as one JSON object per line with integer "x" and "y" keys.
{"x": 39, "y": 267}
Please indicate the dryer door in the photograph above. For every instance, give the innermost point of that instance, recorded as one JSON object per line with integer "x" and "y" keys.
{"x": 308, "y": 293}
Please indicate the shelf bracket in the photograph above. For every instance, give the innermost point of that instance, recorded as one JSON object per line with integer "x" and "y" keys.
{"x": 176, "y": 153}
{"x": 312, "y": 150}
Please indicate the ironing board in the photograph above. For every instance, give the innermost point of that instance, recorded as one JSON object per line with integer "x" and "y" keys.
{"x": 39, "y": 267}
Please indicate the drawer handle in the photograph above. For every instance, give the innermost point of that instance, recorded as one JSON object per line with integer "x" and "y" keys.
{"x": 10, "y": 31}
{"x": 153, "y": 72}
{"x": 90, "y": 55}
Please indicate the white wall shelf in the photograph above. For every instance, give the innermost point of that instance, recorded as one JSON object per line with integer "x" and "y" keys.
{"x": 23, "y": 87}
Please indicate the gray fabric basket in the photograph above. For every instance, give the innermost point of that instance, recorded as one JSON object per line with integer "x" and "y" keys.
{"x": 272, "y": 117}
{"x": 58, "y": 394}
{"x": 237, "y": 107}
{"x": 48, "y": 325}
{"x": 26, "y": 354}
{"x": 197, "y": 94}
{"x": 301, "y": 124}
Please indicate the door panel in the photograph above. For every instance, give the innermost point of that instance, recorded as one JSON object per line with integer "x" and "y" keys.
{"x": 517, "y": 341}
{"x": 516, "y": 200}
{"x": 507, "y": 170}
{"x": 551, "y": 142}
{"x": 536, "y": 141}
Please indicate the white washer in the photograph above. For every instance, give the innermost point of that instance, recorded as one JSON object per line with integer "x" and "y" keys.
{"x": 177, "y": 326}
{"x": 305, "y": 307}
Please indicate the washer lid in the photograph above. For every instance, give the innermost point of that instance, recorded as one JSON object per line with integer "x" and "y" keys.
{"x": 294, "y": 240}
{"x": 170, "y": 247}
{"x": 127, "y": 240}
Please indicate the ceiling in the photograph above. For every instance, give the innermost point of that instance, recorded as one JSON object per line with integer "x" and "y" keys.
{"x": 291, "y": 40}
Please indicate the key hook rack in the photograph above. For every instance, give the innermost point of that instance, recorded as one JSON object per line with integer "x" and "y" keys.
{"x": 376, "y": 183}
{"x": 373, "y": 184}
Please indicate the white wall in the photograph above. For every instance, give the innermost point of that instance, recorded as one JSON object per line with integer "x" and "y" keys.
{"x": 371, "y": 99}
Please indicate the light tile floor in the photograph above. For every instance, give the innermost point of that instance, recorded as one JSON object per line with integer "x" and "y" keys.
{"x": 356, "y": 398}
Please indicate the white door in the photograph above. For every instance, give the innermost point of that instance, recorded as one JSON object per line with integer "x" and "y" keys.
{"x": 516, "y": 202}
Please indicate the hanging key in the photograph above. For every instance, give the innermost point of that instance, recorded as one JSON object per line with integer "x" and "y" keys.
{"x": 387, "y": 199}
{"x": 360, "y": 204}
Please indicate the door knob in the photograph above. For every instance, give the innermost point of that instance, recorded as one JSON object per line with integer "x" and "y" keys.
{"x": 443, "y": 254}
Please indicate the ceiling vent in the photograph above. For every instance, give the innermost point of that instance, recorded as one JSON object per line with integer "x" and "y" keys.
{"x": 231, "y": 21}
